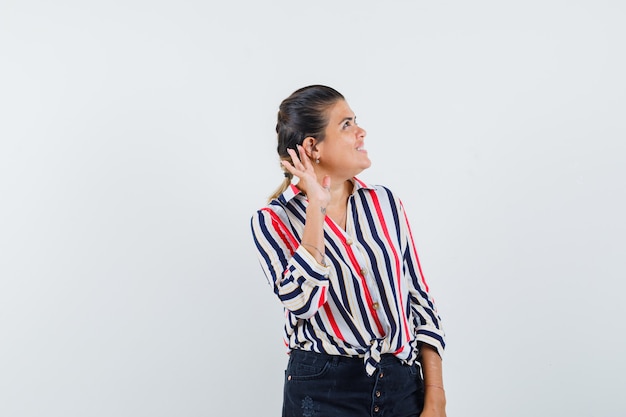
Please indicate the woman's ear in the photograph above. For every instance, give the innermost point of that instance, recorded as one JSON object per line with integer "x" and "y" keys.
{"x": 310, "y": 146}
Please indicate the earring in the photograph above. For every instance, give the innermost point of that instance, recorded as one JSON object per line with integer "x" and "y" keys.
{"x": 317, "y": 161}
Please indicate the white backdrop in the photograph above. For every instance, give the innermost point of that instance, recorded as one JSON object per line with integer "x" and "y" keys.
{"x": 136, "y": 140}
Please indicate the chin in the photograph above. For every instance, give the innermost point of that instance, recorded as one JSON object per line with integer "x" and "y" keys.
{"x": 363, "y": 168}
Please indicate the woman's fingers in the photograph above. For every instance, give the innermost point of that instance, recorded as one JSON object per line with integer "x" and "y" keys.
{"x": 303, "y": 157}
{"x": 288, "y": 167}
{"x": 326, "y": 182}
{"x": 301, "y": 167}
{"x": 295, "y": 160}
{"x": 300, "y": 160}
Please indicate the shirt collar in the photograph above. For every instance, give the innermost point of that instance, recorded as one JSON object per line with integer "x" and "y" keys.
{"x": 292, "y": 191}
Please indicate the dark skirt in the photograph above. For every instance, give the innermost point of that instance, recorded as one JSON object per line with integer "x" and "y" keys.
{"x": 320, "y": 385}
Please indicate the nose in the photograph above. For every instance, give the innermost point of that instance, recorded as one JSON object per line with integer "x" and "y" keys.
{"x": 362, "y": 132}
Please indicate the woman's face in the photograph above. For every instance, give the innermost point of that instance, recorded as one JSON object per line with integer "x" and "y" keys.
{"x": 342, "y": 152}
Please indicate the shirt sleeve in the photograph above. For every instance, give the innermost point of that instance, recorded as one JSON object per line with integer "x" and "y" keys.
{"x": 427, "y": 321}
{"x": 299, "y": 281}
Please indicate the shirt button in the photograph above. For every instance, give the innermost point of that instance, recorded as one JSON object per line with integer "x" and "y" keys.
{"x": 377, "y": 393}
{"x": 349, "y": 241}
{"x": 376, "y": 409}
{"x": 363, "y": 271}
{"x": 375, "y": 306}
{"x": 381, "y": 375}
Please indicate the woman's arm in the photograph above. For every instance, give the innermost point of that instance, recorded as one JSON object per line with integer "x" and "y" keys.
{"x": 318, "y": 196}
{"x": 299, "y": 280}
{"x": 434, "y": 393}
{"x": 428, "y": 326}
{"x": 297, "y": 270}
{"x": 429, "y": 331}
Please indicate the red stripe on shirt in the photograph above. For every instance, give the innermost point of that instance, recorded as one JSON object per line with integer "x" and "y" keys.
{"x": 381, "y": 219}
{"x": 357, "y": 268}
{"x": 361, "y": 183}
{"x": 333, "y": 322}
{"x": 322, "y": 298}
{"x": 417, "y": 259}
{"x": 284, "y": 233}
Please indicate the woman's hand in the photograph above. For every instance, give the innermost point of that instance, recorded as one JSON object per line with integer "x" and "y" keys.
{"x": 303, "y": 169}
{"x": 319, "y": 197}
{"x": 433, "y": 411}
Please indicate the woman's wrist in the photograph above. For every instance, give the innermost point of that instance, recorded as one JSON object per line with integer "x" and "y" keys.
{"x": 316, "y": 249}
{"x": 316, "y": 207}
{"x": 434, "y": 395}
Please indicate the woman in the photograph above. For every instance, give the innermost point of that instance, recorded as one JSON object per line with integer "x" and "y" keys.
{"x": 360, "y": 324}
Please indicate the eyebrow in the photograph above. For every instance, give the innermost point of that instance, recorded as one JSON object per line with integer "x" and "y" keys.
{"x": 347, "y": 118}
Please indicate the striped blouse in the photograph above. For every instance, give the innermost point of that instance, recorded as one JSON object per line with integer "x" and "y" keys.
{"x": 369, "y": 298}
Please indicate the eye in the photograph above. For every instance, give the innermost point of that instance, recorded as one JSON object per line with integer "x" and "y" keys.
{"x": 346, "y": 124}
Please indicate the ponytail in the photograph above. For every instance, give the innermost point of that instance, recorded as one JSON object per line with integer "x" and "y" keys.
{"x": 282, "y": 187}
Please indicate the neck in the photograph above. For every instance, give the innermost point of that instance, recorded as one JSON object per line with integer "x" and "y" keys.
{"x": 339, "y": 192}
{"x": 337, "y": 208}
